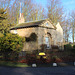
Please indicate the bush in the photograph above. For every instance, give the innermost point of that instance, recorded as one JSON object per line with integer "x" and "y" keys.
{"x": 43, "y": 47}
{"x": 54, "y": 47}
{"x": 1, "y": 35}
{"x": 67, "y": 47}
{"x": 11, "y": 45}
{"x": 54, "y": 58}
{"x": 73, "y": 50}
{"x": 73, "y": 46}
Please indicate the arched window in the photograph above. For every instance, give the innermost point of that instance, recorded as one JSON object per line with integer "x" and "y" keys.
{"x": 46, "y": 24}
{"x": 32, "y": 37}
{"x": 47, "y": 42}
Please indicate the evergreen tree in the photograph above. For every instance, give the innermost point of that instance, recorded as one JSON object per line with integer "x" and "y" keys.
{"x": 4, "y": 23}
{"x": 11, "y": 45}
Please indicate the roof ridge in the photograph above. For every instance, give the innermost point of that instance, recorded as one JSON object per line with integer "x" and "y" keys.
{"x": 32, "y": 21}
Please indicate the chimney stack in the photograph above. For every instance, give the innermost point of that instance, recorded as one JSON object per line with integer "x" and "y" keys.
{"x": 21, "y": 17}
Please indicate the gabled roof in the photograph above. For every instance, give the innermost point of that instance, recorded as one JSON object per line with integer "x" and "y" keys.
{"x": 29, "y": 24}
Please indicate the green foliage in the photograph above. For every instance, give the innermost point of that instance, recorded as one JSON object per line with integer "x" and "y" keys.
{"x": 11, "y": 43}
{"x": 4, "y": 23}
{"x": 68, "y": 47}
{"x": 2, "y": 14}
{"x": 13, "y": 64}
{"x": 1, "y": 35}
{"x": 73, "y": 46}
{"x": 54, "y": 58}
{"x": 73, "y": 49}
{"x": 3, "y": 17}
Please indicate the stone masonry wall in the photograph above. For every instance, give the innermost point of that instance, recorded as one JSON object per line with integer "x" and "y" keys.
{"x": 56, "y": 36}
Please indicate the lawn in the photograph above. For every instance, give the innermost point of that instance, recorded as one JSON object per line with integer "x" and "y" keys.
{"x": 13, "y": 64}
{"x": 16, "y": 64}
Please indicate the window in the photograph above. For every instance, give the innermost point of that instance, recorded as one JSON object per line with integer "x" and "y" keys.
{"x": 47, "y": 41}
{"x": 15, "y": 31}
{"x": 46, "y": 24}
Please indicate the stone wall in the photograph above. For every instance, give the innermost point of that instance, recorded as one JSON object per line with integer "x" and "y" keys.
{"x": 56, "y": 36}
{"x": 30, "y": 46}
{"x": 25, "y": 32}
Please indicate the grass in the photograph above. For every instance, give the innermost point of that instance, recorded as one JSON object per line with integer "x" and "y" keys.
{"x": 16, "y": 64}
{"x": 13, "y": 64}
{"x": 1, "y": 56}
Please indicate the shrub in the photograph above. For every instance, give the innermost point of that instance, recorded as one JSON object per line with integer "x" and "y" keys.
{"x": 54, "y": 47}
{"x": 67, "y": 47}
{"x": 1, "y": 35}
{"x": 54, "y": 58}
{"x": 43, "y": 47}
{"x": 11, "y": 45}
{"x": 73, "y": 46}
{"x": 73, "y": 50}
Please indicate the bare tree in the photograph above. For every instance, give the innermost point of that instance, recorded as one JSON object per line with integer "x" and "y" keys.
{"x": 55, "y": 10}
{"x": 72, "y": 18}
{"x": 67, "y": 30}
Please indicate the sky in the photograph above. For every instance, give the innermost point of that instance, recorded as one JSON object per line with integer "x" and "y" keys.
{"x": 67, "y": 4}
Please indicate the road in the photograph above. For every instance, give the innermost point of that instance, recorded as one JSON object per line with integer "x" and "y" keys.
{"x": 38, "y": 71}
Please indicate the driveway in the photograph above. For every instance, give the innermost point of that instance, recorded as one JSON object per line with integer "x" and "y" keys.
{"x": 38, "y": 71}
